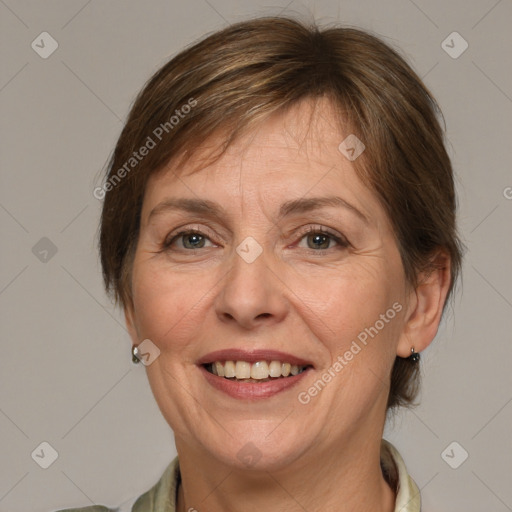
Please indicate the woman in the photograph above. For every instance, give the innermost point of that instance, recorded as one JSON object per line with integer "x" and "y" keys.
{"x": 279, "y": 228}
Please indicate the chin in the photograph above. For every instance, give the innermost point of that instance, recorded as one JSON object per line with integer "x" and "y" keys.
{"x": 261, "y": 451}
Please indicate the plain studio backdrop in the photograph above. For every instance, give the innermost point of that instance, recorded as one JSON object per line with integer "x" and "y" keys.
{"x": 68, "y": 388}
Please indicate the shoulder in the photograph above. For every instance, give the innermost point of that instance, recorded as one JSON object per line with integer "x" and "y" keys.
{"x": 160, "y": 498}
{"x": 93, "y": 508}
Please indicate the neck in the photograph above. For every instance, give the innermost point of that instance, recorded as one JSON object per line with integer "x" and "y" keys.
{"x": 347, "y": 478}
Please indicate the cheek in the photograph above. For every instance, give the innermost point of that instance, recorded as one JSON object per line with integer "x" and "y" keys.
{"x": 166, "y": 305}
{"x": 344, "y": 301}
{"x": 357, "y": 320}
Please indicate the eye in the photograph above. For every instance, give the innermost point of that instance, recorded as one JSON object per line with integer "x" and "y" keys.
{"x": 318, "y": 238}
{"x": 191, "y": 239}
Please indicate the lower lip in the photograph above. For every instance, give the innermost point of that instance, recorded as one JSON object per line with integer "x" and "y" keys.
{"x": 252, "y": 390}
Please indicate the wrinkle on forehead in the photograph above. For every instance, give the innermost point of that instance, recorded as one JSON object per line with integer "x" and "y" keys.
{"x": 290, "y": 155}
{"x": 306, "y": 134}
{"x": 306, "y": 126}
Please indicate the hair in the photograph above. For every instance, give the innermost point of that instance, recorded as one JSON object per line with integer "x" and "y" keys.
{"x": 235, "y": 78}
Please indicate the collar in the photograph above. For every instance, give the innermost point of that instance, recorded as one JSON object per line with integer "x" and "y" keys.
{"x": 395, "y": 472}
{"x": 162, "y": 496}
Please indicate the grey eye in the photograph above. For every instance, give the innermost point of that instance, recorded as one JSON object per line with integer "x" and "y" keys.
{"x": 195, "y": 239}
{"x": 319, "y": 241}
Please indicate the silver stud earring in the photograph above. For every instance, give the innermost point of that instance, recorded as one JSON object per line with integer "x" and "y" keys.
{"x": 135, "y": 351}
{"x": 415, "y": 356}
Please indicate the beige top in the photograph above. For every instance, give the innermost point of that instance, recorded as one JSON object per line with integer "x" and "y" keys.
{"x": 162, "y": 496}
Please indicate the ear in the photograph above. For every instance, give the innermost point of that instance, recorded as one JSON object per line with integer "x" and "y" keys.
{"x": 425, "y": 307}
{"x": 129, "y": 315}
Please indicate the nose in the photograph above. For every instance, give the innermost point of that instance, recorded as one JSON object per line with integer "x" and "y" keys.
{"x": 252, "y": 294}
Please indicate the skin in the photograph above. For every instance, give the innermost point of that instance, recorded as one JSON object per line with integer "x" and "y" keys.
{"x": 295, "y": 297}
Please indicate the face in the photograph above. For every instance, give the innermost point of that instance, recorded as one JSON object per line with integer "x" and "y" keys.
{"x": 294, "y": 261}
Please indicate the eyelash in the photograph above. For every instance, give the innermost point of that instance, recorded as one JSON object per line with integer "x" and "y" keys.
{"x": 341, "y": 241}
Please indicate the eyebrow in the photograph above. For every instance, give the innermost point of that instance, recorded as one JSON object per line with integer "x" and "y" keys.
{"x": 315, "y": 203}
{"x": 294, "y": 206}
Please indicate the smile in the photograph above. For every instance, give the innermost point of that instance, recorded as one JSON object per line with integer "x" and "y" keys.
{"x": 259, "y": 371}
{"x": 253, "y": 374}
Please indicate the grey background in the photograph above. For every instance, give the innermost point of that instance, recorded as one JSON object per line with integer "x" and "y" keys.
{"x": 66, "y": 375}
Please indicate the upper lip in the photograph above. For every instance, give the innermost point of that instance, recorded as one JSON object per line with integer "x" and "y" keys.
{"x": 252, "y": 356}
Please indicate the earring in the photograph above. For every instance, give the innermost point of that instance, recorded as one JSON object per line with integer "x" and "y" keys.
{"x": 415, "y": 356}
{"x": 135, "y": 351}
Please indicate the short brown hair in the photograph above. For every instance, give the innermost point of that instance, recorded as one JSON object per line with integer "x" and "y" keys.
{"x": 240, "y": 75}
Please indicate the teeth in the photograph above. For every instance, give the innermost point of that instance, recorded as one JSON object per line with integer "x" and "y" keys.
{"x": 243, "y": 370}
{"x": 275, "y": 369}
{"x": 229, "y": 369}
{"x": 260, "y": 370}
{"x": 218, "y": 369}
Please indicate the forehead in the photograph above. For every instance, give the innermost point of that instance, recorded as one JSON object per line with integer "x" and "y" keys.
{"x": 306, "y": 130}
{"x": 288, "y": 154}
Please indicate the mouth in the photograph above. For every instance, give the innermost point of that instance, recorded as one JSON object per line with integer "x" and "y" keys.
{"x": 259, "y": 371}
{"x": 253, "y": 374}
